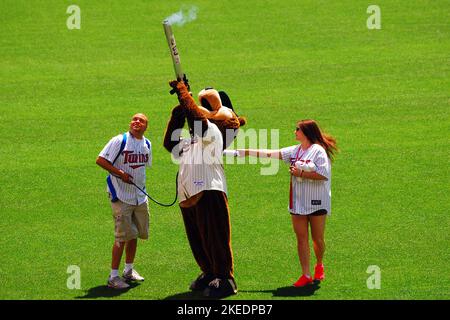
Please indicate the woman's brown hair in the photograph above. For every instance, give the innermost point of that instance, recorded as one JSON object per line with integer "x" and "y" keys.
{"x": 312, "y": 131}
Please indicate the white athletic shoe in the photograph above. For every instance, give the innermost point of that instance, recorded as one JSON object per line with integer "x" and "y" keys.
{"x": 117, "y": 283}
{"x": 132, "y": 275}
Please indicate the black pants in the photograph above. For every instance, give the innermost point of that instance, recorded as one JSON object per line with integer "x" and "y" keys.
{"x": 209, "y": 233}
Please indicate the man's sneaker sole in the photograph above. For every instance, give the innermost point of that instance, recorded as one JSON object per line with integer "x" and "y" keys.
{"x": 124, "y": 285}
{"x": 117, "y": 288}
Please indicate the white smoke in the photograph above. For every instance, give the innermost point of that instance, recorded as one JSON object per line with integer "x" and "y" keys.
{"x": 183, "y": 16}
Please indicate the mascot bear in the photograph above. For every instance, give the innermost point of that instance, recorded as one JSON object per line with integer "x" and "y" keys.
{"x": 202, "y": 188}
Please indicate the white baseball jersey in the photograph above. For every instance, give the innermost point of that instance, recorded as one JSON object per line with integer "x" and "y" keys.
{"x": 306, "y": 195}
{"x": 135, "y": 157}
{"x": 201, "y": 165}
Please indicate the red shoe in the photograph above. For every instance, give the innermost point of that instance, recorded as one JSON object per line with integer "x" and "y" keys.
{"x": 319, "y": 272}
{"x": 303, "y": 281}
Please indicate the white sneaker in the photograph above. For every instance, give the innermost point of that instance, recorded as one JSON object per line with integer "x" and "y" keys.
{"x": 132, "y": 275}
{"x": 117, "y": 283}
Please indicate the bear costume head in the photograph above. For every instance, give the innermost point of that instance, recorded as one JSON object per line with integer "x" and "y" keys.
{"x": 214, "y": 106}
{"x": 217, "y": 107}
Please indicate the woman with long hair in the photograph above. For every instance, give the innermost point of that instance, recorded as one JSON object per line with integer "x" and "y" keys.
{"x": 309, "y": 193}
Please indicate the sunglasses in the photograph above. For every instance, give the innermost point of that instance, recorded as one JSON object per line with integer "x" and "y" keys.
{"x": 297, "y": 129}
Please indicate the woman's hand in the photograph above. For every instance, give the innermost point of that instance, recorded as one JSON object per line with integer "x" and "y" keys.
{"x": 293, "y": 170}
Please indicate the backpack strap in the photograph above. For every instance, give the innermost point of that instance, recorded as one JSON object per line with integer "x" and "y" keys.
{"x": 122, "y": 146}
{"x": 111, "y": 188}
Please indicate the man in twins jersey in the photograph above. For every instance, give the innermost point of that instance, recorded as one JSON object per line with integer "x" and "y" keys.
{"x": 125, "y": 157}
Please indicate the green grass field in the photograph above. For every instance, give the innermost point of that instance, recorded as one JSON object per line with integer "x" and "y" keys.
{"x": 384, "y": 94}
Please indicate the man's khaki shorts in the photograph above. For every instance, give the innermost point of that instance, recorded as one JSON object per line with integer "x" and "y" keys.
{"x": 130, "y": 221}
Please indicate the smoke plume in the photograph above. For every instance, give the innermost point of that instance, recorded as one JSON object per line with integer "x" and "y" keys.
{"x": 183, "y": 16}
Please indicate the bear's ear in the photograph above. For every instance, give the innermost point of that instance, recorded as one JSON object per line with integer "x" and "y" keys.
{"x": 226, "y": 100}
{"x": 205, "y": 104}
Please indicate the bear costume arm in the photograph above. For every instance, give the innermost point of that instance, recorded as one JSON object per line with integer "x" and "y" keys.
{"x": 173, "y": 129}
{"x": 193, "y": 113}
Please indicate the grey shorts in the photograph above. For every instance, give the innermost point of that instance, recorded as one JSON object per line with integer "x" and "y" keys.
{"x": 130, "y": 221}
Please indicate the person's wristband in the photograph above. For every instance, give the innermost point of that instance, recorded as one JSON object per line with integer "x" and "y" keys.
{"x": 231, "y": 153}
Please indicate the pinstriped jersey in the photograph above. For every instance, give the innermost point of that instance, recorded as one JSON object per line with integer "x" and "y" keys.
{"x": 308, "y": 195}
{"x": 201, "y": 165}
{"x": 135, "y": 157}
